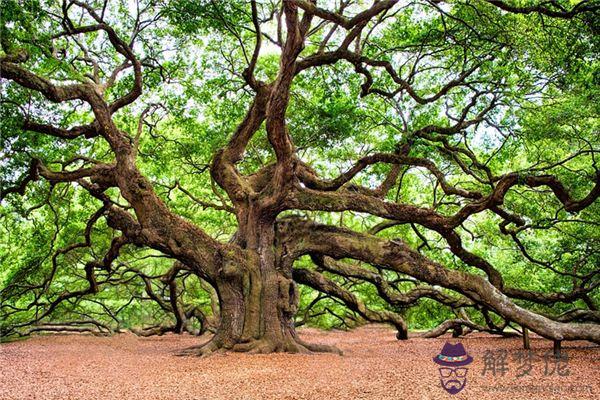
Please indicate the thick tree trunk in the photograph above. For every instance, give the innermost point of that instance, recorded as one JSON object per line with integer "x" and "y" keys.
{"x": 258, "y": 300}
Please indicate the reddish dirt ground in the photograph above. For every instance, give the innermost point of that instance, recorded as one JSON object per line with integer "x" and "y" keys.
{"x": 374, "y": 366}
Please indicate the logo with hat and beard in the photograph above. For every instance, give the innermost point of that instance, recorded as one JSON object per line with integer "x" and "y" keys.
{"x": 452, "y": 362}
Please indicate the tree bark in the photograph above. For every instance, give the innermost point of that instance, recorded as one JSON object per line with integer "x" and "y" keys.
{"x": 259, "y": 299}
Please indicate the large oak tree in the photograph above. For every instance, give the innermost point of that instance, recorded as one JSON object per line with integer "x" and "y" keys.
{"x": 402, "y": 146}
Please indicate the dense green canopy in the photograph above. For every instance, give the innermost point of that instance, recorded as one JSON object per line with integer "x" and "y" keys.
{"x": 450, "y": 99}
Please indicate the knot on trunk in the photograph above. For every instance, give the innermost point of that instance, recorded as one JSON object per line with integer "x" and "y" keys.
{"x": 229, "y": 270}
{"x": 288, "y": 296}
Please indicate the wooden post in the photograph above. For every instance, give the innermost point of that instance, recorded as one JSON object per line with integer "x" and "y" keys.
{"x": 526, "y": 344}
{"x": 557, "y": 348}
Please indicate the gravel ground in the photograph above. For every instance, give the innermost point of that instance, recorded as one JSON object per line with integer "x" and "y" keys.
{"x": 374, "y": 366}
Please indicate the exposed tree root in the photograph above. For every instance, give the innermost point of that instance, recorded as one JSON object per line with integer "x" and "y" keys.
{"x": 258, "y": 346}
{"x": 204, "y": 349}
